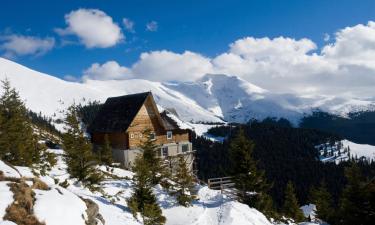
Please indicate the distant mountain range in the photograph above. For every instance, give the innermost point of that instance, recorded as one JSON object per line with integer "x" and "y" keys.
{"x": 213, "y": 98}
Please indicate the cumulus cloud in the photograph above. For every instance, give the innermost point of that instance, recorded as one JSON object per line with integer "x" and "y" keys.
{"x": 110, "y": 70}
{"x": 94, "y": 28}
{"x": 128, "y": 24}
{"x": 345, "y": 66}
{"x": 353, "y": 46}
{"x": 14, "y": 45}
{"x": 166, "y": 66}
{"x": 280, "y": 64}
{"x": 152, "y": 26}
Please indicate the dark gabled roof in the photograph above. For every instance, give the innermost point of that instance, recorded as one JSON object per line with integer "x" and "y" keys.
{"x": 117, "y": 113}
{"x": 169, "y": 123}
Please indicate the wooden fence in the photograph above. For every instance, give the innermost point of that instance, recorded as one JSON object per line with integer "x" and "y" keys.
{"x": 224, "y": 184}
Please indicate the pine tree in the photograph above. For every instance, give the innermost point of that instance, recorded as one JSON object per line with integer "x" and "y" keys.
{"x": 324, "y": 203}
{"x": 18, "y": 143}
{"x": 78, "y": 150}
{"x": 150, "y": 156}
{"x": 251, "y": 183}
{"x": 143, "y": 201}
{"x": 291, "y": 208}
{"x": 184, "y": 183}
{"x": 264, "y": 203}
{"x": 355, "y": 203}
{"x": 106, "y": 152}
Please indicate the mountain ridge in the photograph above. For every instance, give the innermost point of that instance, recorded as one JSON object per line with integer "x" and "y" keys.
{"x": 212, "y": 98}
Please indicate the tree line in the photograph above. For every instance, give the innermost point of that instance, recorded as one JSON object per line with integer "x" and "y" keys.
{"x": 276, "y": 169}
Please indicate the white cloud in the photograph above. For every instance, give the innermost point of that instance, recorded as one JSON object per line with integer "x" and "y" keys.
{"x": 110, "y": 70}
{"x": 14, "y": 45}
{"x": 346, "y": 66}
{"x": 280, "y": 64}
{"x": 353, "y": 46}
{"x": 326, "y": 37}
{"x": 166, "y": 66}
{"x": 152, "y": 26}
{"x": 94, "y": 28}
{"x": 128, "y": 24}
{"x": 71, "y": 78}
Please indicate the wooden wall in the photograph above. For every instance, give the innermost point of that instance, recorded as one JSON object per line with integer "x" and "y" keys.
{"x": 148, "y": 117}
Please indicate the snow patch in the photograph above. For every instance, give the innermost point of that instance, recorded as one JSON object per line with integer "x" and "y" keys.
{"x": 6, "y": 197}
{"x": 8, "y": 171}
{"x": 59, "y": 207}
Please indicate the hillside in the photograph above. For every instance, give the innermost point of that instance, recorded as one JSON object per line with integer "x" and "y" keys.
{"x": 357, "y": 127}
{"x": 57, "y": 204}
{"x": 213, "y": 98}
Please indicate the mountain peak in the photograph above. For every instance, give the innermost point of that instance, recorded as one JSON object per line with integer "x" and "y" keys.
{"x": 213, "y": 98}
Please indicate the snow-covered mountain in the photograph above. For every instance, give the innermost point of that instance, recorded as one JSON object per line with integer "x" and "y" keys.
{"x": 213, "y": 98}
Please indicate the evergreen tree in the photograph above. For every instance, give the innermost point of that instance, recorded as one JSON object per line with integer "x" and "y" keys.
{"x": 250, "y": 182}
{"x": 356, "y": 205}
{"x": 324, "y": 203}
{"x": 18, "y": 143}
{"x": 291, "y": 208}
{"x": 184, "y": 183}
{"x": 150, "y": 156}
{"x": 143, "y": 200}
{"x": 105, "y": 152}
{"x": 78, "y": 150}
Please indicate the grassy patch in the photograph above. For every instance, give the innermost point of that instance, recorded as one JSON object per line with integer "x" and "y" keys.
{"x": 21, "y": 210}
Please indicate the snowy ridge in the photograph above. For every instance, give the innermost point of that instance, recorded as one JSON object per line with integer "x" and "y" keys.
{"x": 213, "y": 98}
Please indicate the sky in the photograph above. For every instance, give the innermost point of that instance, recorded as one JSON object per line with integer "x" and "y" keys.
{"x": 308, "y": 46}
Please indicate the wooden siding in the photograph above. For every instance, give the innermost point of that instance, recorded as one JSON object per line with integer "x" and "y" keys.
{"x": 148, "y": 117}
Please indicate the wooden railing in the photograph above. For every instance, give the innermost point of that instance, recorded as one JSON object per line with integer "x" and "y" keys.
{"x": 225, "y": 185}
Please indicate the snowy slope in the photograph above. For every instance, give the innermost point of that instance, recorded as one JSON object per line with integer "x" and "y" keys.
{"x": 60, "y": 205}
{"x": 360, "y": 150}
{"x": 338, "y": 152}
{"x": 45, "y": 93}
{"x": 213, "y": 98}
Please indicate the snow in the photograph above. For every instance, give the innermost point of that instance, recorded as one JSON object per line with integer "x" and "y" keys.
{"x": 339, "y": 151}
{"x": 59, "y": 207}
{"x": 64, "y": 205}
{"x": 212, "y": 208}
{"x": 7, "y": 223}
{"x": 8, "y": 171}
{"x": 213, "y": 98}
{"x": 309, "y": 211}
{"x": 6, "y": 197}
{"x": 360, "y": 150}
{"x": 25, "y": 171}
{"x": 118, "y": 172}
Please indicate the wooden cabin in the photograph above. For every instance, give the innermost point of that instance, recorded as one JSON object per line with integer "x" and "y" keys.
{"x": 124, "y": 119}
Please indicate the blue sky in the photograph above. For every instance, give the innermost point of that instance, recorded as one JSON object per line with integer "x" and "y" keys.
{"x": 203, "y": 27}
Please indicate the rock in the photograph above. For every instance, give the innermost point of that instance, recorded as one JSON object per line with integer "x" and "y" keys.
{"x": 93, "y": 215}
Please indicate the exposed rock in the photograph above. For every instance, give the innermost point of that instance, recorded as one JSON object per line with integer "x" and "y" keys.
{"x": 93, "y": 215}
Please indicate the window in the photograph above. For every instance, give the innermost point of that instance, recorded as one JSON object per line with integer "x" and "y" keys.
{"x": 164, "y": 151}
{"x": 169, "y": 135}
{"x": 152, "y": 136}
{"x": 185, "y": 148}
{"x": 131, "y": 135}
